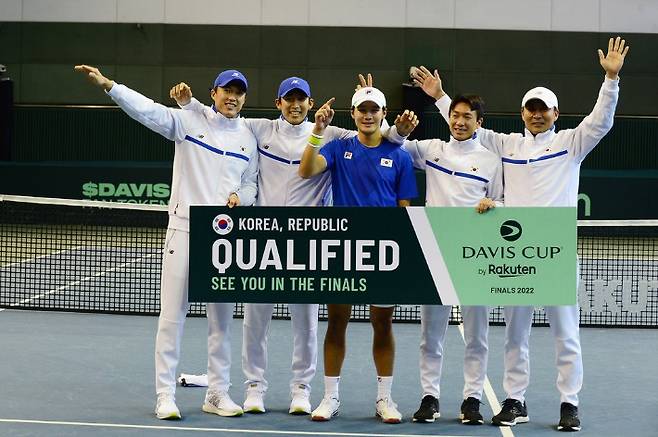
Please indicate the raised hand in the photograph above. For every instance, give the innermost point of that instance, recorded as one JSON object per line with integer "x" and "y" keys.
{"x": 182, "y": 93}
{"x": 324, "y": 115}
{"x": 95, "y": 76}
{"x": 406, "y": 122}
{"x": 363, "y": 82}
{"x": 614, "y": 60}
{"x": 429, "y": 82}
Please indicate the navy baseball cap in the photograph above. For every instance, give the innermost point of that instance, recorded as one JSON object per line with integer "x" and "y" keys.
{"x": 294, "y": 83}
{"x": 227, "y": 76}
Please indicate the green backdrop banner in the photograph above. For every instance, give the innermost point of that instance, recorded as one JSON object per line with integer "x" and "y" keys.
{"x": 415, "y": 255}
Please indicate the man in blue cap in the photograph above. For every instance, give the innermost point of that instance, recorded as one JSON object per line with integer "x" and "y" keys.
{"x": 281, "y": 143}
{"x": 216, "y": 144}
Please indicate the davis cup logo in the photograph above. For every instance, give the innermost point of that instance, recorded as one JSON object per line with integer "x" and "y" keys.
{"x": 511, "y": 230}
{"x": 222, "y": 224}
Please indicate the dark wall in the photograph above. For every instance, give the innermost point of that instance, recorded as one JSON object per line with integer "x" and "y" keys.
{"x": 107, "y": 134}
{"x": 501, "y": 65}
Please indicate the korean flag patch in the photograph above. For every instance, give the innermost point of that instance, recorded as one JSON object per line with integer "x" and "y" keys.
{"x": 385, "y": 162}
{"x": 348, "y": 155}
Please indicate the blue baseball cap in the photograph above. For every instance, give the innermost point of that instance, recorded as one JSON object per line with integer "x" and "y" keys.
{"x": 294, "y": 83}
{"x": 227, "y": 76}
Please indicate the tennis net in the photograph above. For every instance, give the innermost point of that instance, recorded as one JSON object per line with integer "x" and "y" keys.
{"x": 87, "y": 256}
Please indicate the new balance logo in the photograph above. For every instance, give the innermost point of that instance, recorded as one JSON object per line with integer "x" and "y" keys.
{"x": 385, "y": 162}
{"x": 348, "y": 155}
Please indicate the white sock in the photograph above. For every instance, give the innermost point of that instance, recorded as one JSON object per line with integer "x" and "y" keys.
{"x": 384, "y": 384}
{"x": 331, "y": 386}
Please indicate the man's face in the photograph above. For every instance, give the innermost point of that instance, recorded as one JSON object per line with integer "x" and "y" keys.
{"x": 229, "y": 99}
{"x": 294, "y": 106}
{"x": 368, "y": 117}
{"x": 463, "y": 122}
{"x": 538, "y": 117}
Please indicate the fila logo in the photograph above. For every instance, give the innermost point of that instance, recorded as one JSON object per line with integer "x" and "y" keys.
{"x": 385, "y": 162}
{"x": 348, "y": 155}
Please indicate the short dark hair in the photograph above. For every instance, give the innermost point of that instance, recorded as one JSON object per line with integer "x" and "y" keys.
{"x": 473, "y": 101}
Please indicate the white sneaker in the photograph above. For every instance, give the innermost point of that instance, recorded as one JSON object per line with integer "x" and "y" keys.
{"x": 327, "y": 409}
{"x": 220, "y": 403}
{"x": 165, "y": 407}
{"x": 300, "y": 403}
{"x": 254, "y": 399}
{"x": 387, "y": 410}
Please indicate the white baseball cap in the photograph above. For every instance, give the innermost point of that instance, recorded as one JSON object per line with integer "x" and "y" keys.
{"x": 544, "y": 94}
{"x": 369, "y": 94}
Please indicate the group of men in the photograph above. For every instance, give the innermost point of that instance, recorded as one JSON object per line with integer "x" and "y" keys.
{"x": 222, "y": 158}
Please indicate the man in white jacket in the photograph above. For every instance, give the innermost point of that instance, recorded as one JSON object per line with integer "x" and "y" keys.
{"x": 215, "y": 162}
{"x": 541, "y": 168}
{"x": 281, "y": 143}
{"x": 460, "y": 172}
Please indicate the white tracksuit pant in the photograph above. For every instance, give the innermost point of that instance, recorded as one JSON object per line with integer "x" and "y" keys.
{"x": 476, "y": 352}
{"x": 173, "y": 309}
{"x": 433, "y": 325}
{"x": 564, "y": 322}
{"x": 257, "y": 320}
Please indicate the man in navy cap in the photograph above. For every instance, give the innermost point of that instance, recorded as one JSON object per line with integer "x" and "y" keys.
{"x": 215, "y": 162}
{"x": 281, "y": 143}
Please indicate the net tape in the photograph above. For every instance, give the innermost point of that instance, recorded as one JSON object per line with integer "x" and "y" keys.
{"x": 89, "y": 256}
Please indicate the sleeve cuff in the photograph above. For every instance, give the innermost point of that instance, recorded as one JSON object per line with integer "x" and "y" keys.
{"x": 114, "y": 90}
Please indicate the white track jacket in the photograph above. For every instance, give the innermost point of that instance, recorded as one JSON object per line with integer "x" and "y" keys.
{"x": 544, "y": 170}
{"x": 214, "y": 155}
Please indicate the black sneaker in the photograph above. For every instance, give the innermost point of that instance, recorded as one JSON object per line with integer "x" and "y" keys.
{"x": 513, "y": 412}
{"x": 470, "y": 412}
{"x": 569, "y": 420}
{"x": 428, "y": 411}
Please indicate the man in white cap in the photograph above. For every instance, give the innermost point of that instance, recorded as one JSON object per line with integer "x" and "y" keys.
{"x": 541, "y": 168}
{"x": 281, "y": 143}
{"x": 215, "y": 162}
{"x": 366, "y": 170}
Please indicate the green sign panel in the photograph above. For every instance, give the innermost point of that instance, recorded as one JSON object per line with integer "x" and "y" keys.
{"x": 415, "y": 255}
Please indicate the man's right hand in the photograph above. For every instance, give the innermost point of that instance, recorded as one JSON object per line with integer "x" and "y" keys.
{"x": 430, "y": 83}
{"x": 94, "y": 75}
{"x": 182, "y": 93}
{"x": 323, "y": 117}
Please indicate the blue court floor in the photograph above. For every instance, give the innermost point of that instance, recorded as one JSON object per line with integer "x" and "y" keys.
{"x": 71, "y": 374}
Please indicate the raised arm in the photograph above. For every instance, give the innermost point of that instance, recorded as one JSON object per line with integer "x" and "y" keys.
{"x": 432, "y": 85}
{"x": 598, "y": 123}
{"x": 166, "y": 121}
{"x": 312, "y": 162}
{"x": 182, "y": 93}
